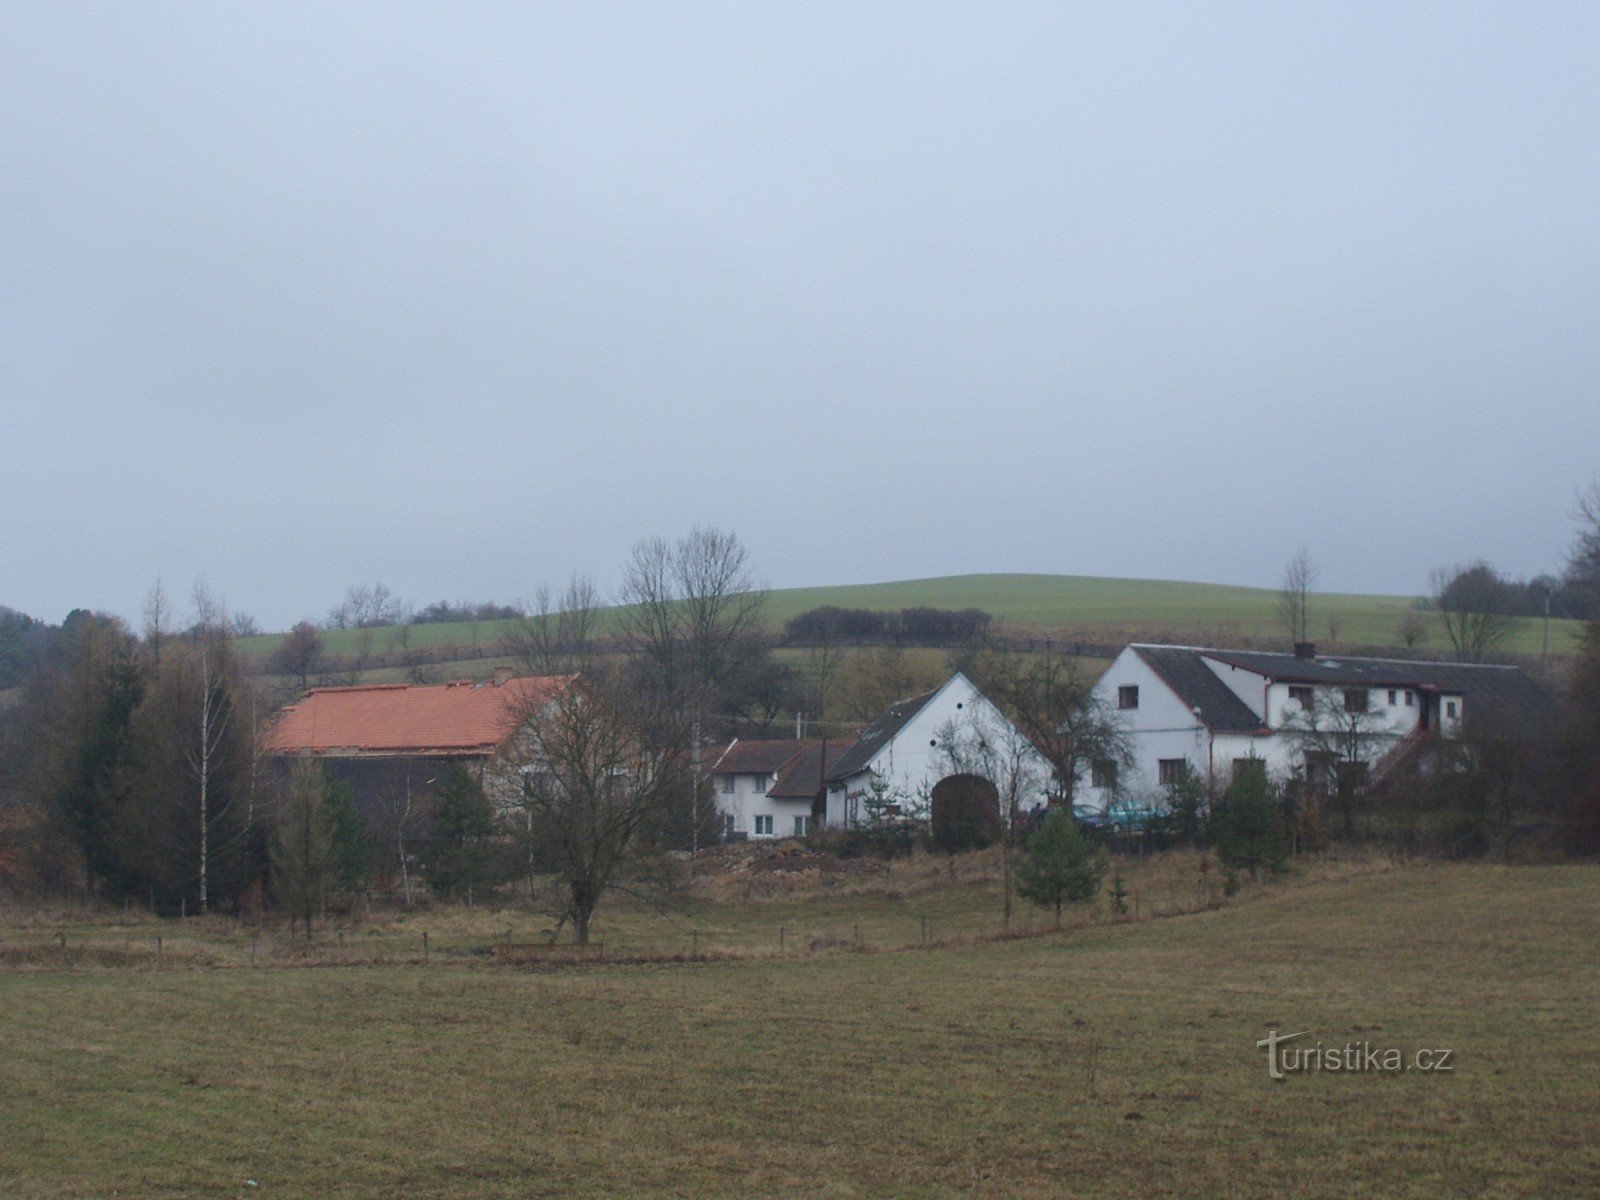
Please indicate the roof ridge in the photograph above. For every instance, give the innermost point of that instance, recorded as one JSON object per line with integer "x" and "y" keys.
{"x": 1372, "y": 658}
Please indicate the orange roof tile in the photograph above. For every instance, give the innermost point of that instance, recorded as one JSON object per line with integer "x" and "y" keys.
{"x": 401, "y": 719}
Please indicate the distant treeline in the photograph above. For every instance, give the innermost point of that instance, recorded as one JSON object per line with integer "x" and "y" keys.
{"x": 442, "y": 612}
{"x": 918, "y": 626}
{"x": 1486, "y": 590}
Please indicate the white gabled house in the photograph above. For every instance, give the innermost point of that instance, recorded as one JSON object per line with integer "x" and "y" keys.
{"x": 895, "y": 768}
{"x": 769, "y": 788}
{"x": 917, "y": 744}
{"x": 1213, "y": 712}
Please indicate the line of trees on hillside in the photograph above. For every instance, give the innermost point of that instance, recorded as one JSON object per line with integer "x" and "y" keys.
{"x": 920, "y": 626}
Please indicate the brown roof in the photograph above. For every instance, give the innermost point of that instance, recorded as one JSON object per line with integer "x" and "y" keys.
{"x": 758, "y": 757}
{"x": 462, "y": 718}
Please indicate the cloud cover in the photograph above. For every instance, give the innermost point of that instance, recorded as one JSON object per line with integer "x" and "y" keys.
{"x": 465, "y": 298}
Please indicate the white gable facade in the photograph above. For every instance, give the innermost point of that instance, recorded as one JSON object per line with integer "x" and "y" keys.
{"x": 904, "y": 759}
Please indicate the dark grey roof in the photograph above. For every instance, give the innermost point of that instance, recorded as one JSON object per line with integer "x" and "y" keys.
{"x": 1197, "y": 685}
{"x": 1500, "y": 701}
{"x": 877, "y": 735}
{"x": 802, "y": 778}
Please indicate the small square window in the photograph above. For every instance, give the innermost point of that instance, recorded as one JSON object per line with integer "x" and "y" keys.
{"x": 1355, "y": 700}
{"x": 759, "y": 782}
{"x": 1304, "y": 697}
{"x": 1172, "y": 771}
{"x": 727, "y": 784}
{"x": 1103, "y": 774}
{"x": 1128, "y": 696}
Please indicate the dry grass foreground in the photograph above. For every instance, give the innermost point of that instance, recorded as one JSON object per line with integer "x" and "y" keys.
{"x": 1112, "y": 1060}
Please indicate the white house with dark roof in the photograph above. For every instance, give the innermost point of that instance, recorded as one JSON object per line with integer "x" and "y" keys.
{"x": 790, "y": 787}
{"x": 907, "y": 752}
{"x": 770, "y": 788}
{"x": 1207, "y": 711}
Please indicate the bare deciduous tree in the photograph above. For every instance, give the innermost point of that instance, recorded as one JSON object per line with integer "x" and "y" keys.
{"x": 1051, "y": 699}
{"x": 558, "y": 635}
{"x": 367, "y": 607}
{"x": 693, "y": 618}
{"x": 300, "y": 653}
{"x": 693, "y": 615}
{"x": 1413, "y": 629}
{"x": 594, "y": 775}
{"x": 1299, "y": 576}
{"x": 157, "y": 620}
{"x": 1339, "y": 738}
{"x": 1476, "y": 607}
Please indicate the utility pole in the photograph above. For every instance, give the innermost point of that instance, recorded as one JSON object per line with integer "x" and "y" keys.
{"x": 694, "y": 793}
{"x": 1544, "y": 654}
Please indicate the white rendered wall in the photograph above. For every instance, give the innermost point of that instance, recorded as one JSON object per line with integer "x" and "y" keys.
{"x": 749, "y": 800}
{"x": 1161, "y": 727}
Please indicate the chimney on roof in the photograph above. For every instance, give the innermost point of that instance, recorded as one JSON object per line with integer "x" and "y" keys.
{"x": 502, "y": 676}
{"x": 1305, "y": 649}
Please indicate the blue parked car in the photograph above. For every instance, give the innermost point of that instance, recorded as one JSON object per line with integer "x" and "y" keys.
{"x": 1090, "y": 817}
{"x": 1130, "y": 816}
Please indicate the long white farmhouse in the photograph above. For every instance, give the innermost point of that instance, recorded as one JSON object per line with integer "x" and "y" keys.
{"x": 1213, "y": 712}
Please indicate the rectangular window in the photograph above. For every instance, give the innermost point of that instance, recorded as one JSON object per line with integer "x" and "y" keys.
{"x": 763, "y": 826}
{"x": 1103, "y": 774}
{"x": 1303, "y": 696}
{"x": 1411, "y": 699}
{"x": 727, "y": 784}
{"x": 802, "y": 827}
{"x": 759, "y": 782}
{"x": 1128, "y": 696}
{"x": 1355, "y": 700}
{"x": 1449, "y": 708}
{"x": 1392, "y": 697}
{"x": 1172, "y": 771}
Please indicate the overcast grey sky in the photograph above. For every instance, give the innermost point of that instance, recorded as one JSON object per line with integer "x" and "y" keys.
{"x": 465, "y": 297}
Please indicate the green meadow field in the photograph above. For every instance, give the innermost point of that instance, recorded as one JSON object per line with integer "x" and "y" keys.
{"x": 1073, "y": 606}
{"x": 1115, "y": 1058}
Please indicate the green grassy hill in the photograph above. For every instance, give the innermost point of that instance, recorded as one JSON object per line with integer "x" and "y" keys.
{"x": 1081, "y": 607}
